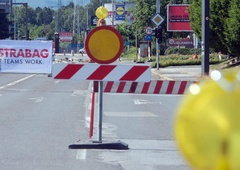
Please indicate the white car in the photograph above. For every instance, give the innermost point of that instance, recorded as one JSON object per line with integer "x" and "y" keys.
{"x": 82, "y": 51}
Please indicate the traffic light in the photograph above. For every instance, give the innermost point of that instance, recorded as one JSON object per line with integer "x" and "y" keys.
{"x": 156, "y": 32}
{"x": 159, "y": 35}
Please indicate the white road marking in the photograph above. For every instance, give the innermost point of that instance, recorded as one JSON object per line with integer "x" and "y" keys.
{"x": 90, "y": 106}
{"x": 138, "y": 101}
{"x": 130, "y": 114}
{"x": 81, "y": 154}
{"x": 37, "y": 99}
{"x": 87, "y": 122}
{"x": 16, "y": 82}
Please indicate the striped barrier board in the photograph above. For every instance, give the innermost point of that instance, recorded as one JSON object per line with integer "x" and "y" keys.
{"x": 100, "y": 72}
{"x": 152, "y": 87}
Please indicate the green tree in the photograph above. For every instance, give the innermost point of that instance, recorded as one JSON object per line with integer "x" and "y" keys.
{"x": 232, "y": 27}
{"x": 224, "y": 24}
{"x": 143, "y": 12}
{"x": 43, "y": 16}
{"x": 123, "y": 29}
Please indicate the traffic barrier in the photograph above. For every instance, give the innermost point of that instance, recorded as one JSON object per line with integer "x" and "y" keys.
{"x": 152, "y": 87}
{"x": 138, "y": 73}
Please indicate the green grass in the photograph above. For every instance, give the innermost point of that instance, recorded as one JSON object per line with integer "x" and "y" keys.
{"x": 171, "y": 60}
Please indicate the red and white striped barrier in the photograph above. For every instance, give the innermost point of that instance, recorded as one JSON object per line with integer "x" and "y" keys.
{"x": 136, "y": 73}
{"x": 152, "y": 87}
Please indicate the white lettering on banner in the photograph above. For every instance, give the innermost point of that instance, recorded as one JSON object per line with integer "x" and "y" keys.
{"x": 26, "y": 56}
{"x": 27, "y": 53}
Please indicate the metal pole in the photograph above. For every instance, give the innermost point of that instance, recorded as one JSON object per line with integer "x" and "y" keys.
{"x": 26, "y": 7}
{"x": 15, "y": 31}
{"x": 157, "y": 45}
{"x": 87, "y": 18}
{"x": 205, "y": 37}
{"x": 112, "y": 14}
{"x": 100, "y": 108}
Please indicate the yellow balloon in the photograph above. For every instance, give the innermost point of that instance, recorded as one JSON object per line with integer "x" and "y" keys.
{"x": 207, "y": 127}
{"x": 102, "y": 12}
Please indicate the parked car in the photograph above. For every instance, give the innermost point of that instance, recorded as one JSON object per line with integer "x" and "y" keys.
{"x": 82, "y": 51}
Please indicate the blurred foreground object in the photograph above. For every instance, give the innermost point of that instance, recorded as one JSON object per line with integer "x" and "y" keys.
{"x": 207, "y": 126}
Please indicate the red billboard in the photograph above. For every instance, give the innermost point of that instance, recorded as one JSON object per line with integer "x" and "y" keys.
{"x": 178, "y": 18}
{"x": 66, "y": 36}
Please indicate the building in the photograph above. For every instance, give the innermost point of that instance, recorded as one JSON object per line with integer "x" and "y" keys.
{"x": 5, "y": 6}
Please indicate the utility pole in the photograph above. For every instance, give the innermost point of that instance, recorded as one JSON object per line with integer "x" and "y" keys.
{"x": 205, "y": 37}
{"x": 112, "y": 14}
{"x": 157, "y": 45}
{"x": 15, "y": 31}
{"x": 57, "y": 18}
{"x": 76, "y": 19}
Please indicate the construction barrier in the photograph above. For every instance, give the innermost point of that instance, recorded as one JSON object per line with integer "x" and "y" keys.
{"x": 152, "y": 87}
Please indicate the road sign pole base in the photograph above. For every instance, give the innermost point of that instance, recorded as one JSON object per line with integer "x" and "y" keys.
{"x": 91, "y": 144}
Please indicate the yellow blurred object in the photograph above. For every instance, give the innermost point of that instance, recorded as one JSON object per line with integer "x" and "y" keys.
{"x": 102, "y": 12}
{"x": 207, "y": 127}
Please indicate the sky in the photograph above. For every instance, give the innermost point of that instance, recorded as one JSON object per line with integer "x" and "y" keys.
{"x": 49, "y": 3}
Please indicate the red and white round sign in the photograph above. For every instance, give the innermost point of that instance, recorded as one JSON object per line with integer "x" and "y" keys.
{"x": 148, "y": 30}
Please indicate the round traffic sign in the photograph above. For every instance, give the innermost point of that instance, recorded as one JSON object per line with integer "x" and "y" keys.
{"x": 207, "y": 126}
{"x": 148, "y": 37}
{"x": 148, "y": 30}
{"x": 104, "y": 44}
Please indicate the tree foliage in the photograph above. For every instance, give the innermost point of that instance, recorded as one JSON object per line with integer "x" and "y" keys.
{"x": 224, "y": 21}
{"x": 224, "y": 24}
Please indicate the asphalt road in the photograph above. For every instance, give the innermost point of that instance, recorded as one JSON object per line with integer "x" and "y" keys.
{"x": 41, "y": 116}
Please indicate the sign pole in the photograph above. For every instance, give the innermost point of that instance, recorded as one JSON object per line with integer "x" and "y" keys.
{"x": 100, "y": 102}
{"x": 157, "y": 45}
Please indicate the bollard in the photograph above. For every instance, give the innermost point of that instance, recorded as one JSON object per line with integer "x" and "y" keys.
{"x": 149, "y": 54}
{"x": 139, "y": 54}
{"x": 72, "y": 52}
